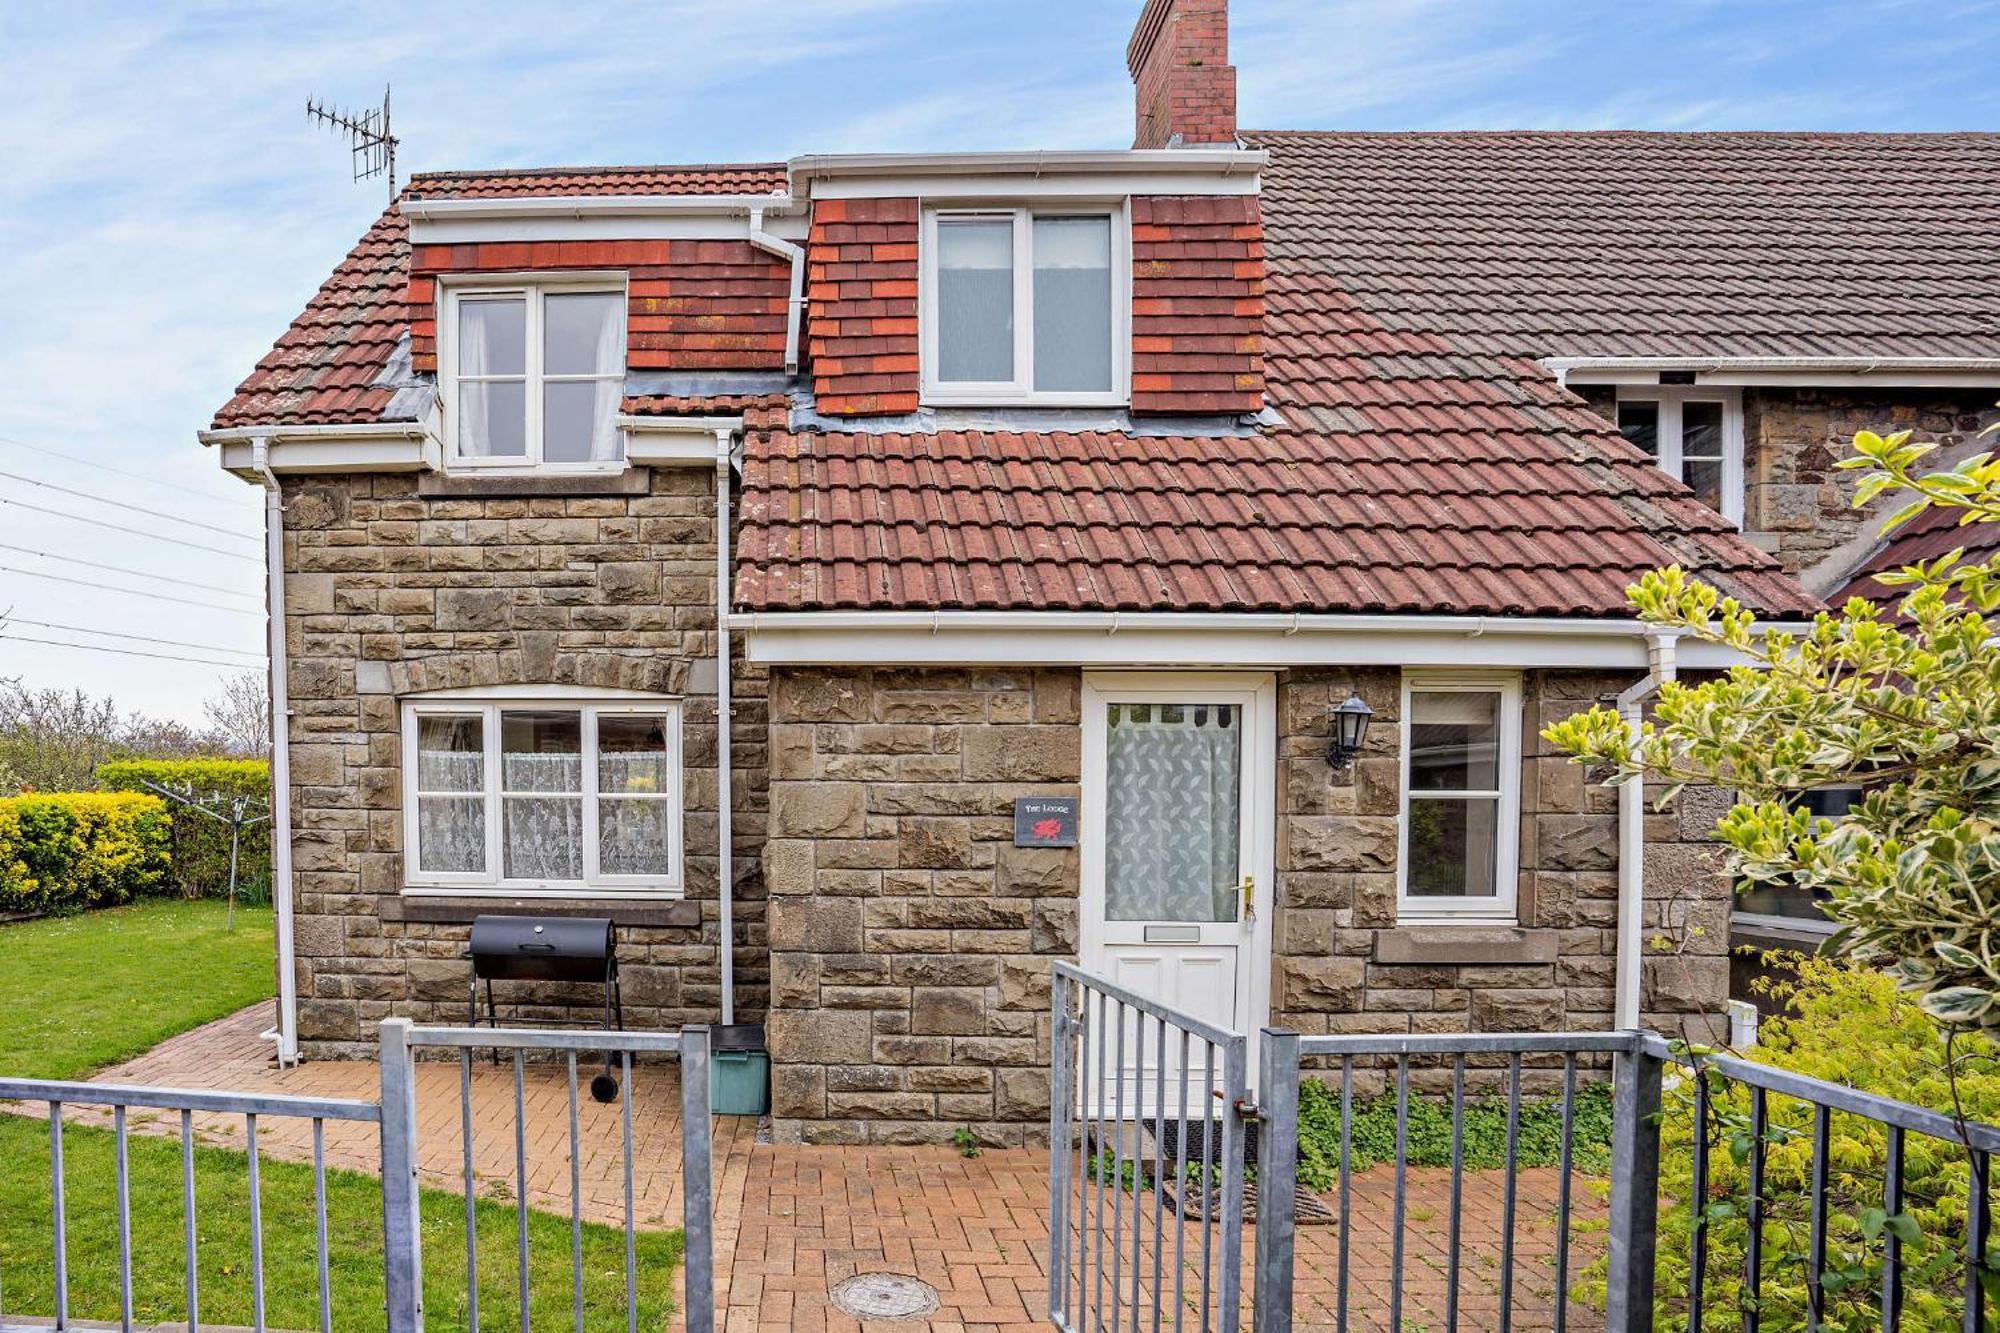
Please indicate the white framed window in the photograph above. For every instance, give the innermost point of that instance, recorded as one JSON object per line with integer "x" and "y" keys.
{"x": 532, "y": 373}
{"x": 542, "y": 795}
{"x": 1790, "y": 909}
{"x": 1460, "y": 827}
{"x": 1026, "y": 305}
{"x": 1695, "y": 433}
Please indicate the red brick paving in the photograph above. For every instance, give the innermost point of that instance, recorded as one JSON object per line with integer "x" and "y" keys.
{"x": 793, "y": 1221}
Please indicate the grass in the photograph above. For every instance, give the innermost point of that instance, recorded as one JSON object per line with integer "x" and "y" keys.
{"x": 82, "y": 992}
{"x": 79, "y": 993}
{"x": 354, "y": 1230}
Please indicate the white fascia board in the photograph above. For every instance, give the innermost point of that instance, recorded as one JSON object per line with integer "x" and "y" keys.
{"x": 1778, "y": 371}
{"x": 1178, "y": 639}
{"x": 594, "y": 205}
{"x": 1216, "y": 161}
{"x": 1094, "y": 186}
{"x": 399, "y": 447}
{"x": 599, "y": 227}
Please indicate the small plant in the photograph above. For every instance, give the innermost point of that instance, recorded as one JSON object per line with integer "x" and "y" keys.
{"x": 965, "y": 1141}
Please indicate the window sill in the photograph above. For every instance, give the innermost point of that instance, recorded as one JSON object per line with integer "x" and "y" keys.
{"x": 459, "y": 907}
{"x": 1431, "y": 944}
{"x": 1754, "y": 929}
{"x": 532, "y": 485}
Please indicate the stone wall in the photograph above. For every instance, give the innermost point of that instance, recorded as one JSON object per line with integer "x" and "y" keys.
{"x": 910, "y": 940}
{"x": 598, "y": 582}
{"x": 1796, "y": 504}
{"x": 1343, "y": 965}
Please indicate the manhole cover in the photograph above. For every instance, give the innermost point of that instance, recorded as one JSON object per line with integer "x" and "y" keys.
{"x": 885, "y": 1296}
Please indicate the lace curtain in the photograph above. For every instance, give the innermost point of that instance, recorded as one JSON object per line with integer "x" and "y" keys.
{"x": 1172, "y": 822}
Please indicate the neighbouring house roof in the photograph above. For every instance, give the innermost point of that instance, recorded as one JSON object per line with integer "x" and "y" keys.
{"x": 344, "y": 358}
{"x": 1931, "y": 534}
{"x": 1645, "y": 244}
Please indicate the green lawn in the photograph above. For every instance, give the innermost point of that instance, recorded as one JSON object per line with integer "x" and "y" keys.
{"x": 82, "y": 992}
{"x": 354, "y": 1229}
{"x": 79, "y": 993}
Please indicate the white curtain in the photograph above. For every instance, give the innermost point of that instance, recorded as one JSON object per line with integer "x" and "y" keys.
{"x": 1172, "y": 821}
{"x": 474, "y": 358}
{"x": 610, "y": 358}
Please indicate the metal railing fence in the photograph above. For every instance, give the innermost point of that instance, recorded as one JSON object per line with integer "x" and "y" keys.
{"x": 395, "y": 1116}
{"x": 120, "y": 1099}
{"x": 1143, "y": 1240}
{"x": 1632, "y": 1253}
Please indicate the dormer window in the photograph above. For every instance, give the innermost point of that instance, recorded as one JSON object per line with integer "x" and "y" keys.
{"x": 1695, "y": 433}
{"x": 535, "y": 373}
{"x": 1025, "y": 305}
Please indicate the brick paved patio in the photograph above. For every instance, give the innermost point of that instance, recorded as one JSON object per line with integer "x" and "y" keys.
{"x": 793, "y": 1221}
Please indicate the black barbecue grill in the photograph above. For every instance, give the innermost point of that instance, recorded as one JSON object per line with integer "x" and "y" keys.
{"x": 576, "y": 949}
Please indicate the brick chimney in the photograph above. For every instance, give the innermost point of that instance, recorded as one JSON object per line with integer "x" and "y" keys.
{"x": 1185, "y": 85}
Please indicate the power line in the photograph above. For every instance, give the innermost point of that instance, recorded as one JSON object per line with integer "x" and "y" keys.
{"x": 135, "y": 573}
{"x": 123, "y": 652}
{"x": 137, "y": 509}
{"x": 147, "y": 593}
{"x": 149, "y": 479}
{"x": 6, "y": 620}
{"x": 135, "y": 532}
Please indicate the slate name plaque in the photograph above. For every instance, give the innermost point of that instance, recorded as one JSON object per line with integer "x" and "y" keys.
{"x": 1045, "y": 821}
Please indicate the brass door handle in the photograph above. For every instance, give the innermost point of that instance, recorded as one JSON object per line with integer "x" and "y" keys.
{"x": 1249, "y": 895}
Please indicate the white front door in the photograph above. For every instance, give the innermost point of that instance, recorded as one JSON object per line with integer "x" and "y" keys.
{"x": 1179, "y": 787}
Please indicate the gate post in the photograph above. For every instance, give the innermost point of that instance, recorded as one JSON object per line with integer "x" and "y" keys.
{"x": 697, "y": 1180}
{"x": 1635, "y": 1188}
{"x": 402, "y": 1257}
{"x": 1277, "y": 1179}
{"x": 1062, "y": 1101}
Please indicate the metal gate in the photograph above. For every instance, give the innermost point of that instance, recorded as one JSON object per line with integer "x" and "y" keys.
{"x": 1147, "y": 1145}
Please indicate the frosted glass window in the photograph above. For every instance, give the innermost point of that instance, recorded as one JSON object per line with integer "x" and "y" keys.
{"x": 1172, "y": 811}
{"x": 538, "y": 376}
{"x": 1073, "y": 304}
{"x": 540, "y": 797}
{"x": 975, "y": 300}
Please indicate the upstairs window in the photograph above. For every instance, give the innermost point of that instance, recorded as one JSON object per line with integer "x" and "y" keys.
{"x": 1025, "y": 306}
{"x": 1695, "y": 434}
{"x": 536, "y": 375}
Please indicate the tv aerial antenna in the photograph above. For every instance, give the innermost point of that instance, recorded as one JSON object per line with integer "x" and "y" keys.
{"x": 368, "y": 137}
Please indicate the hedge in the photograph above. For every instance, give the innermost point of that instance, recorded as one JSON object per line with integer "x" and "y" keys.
{"x": 80, "y": 849}
{"x": 200, "y": 844}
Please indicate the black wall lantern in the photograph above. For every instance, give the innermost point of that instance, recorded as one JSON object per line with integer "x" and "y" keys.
{"x": 1349, "y": 725}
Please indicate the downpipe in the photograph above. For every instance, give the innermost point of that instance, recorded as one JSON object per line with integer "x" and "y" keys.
{"x": 287, "y": 1031}
{"x": 724, "y": 801}
{"x": 795, "y": 299}
{"x": 1661, "y": 668}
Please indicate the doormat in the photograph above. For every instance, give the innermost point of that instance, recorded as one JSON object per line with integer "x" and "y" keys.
{"x": 1197, "y": 1204}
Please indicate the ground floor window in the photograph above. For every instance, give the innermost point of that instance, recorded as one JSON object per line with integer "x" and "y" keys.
{"x": 1461, "y": 798}
{"x": 1790, "y": 907}
{"x": 542, "y": 795}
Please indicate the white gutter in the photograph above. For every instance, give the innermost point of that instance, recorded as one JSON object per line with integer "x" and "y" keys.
{"x": 724, "y": 801}
{"x": 1885, "y": 370}
{"x": 795, "y": 301}
{"x": 287, "y": 1031}
{"x": 1661, "y": 668}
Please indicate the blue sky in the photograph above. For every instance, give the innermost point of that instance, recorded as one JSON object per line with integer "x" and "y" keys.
{"x": 165, "y": 209}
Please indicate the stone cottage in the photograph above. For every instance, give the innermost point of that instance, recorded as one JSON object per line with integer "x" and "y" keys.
{"x": 867, "y": 578}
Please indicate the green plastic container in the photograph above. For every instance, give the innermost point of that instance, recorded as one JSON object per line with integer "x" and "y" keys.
{"x": 739, "y": 1082}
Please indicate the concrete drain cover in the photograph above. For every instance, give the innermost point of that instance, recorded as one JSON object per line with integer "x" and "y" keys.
{"x": 885, "y": 1296}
